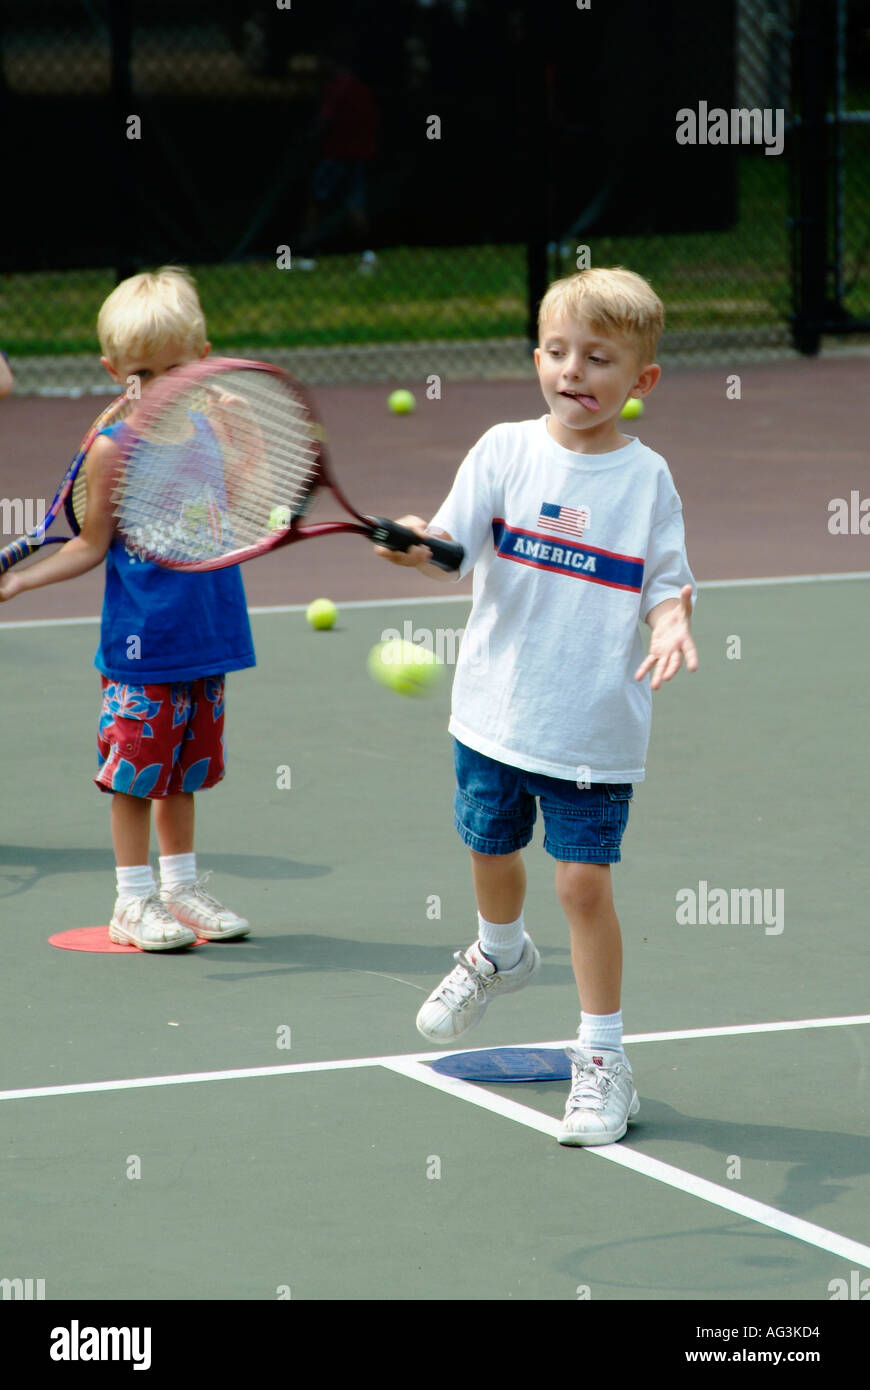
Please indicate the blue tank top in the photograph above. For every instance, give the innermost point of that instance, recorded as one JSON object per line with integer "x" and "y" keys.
{"x": 162, "y": 625}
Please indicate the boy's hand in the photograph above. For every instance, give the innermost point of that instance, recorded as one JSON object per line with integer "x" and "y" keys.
{"x": 671, "y": 642}
{"x": 418, "y": 554}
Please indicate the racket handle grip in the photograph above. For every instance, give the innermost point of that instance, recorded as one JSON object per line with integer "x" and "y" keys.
{"x": 17, "y": 550}
{"x": 447, "y": 555}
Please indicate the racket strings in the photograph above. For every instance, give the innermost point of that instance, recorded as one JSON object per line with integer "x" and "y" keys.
{"x": 205, "y": 472}
{"x": 78, "y": 499}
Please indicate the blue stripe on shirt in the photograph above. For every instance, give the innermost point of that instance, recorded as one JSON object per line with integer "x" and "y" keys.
{"x": 566, "y": 557}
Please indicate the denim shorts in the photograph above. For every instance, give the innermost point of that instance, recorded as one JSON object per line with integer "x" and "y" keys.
{"x": 494, "y": 810}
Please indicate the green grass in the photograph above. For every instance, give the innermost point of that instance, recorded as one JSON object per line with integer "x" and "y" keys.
{"x": 413, "y": 293}
{"x": 738, "y": 278}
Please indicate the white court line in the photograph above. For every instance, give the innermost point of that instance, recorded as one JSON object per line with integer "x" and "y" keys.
{"x": 349, "y": 1063}
{"x": 732, "y": 1030}
{"x": 728, "y": 1030}
{"x": 50, "y": 622}
{"x": 191, "y": 1078}
{"x": 782, "y": 579}
{"x": 628, "y": 1157}
{"x": 466, "y": 598}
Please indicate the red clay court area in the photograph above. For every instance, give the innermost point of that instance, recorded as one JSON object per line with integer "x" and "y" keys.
{"x": 757, "y": 474}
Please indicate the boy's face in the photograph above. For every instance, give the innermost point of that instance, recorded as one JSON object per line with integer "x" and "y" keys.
{"x": 586, "y": 379}
{"x": 149, "y": 366}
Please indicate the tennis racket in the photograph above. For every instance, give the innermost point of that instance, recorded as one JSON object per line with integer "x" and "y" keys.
{"x": 70, "y": 497}
{"x": 221, "y": 462}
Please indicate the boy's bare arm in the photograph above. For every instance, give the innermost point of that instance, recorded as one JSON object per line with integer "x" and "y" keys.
{"x": 418, "y": 556}
{"x": 85, "y": 551}
{"x": 661, "y": 610}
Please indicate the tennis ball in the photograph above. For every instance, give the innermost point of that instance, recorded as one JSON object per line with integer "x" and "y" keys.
{"x": 405, "y": 667}
{"x": 279, "y": 518}
{"x": 632, "y": 408}
{"x": 321, "y": 614}
{"x": 401, "y": 402}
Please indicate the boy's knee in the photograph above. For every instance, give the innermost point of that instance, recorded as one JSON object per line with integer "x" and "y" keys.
{"x": 583, "y": 888}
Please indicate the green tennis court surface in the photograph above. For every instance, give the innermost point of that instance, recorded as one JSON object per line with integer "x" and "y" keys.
{"x": 273, "y": 1133}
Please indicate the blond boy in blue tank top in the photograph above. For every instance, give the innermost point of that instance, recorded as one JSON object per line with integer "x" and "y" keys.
{"x": 167, "y": 641}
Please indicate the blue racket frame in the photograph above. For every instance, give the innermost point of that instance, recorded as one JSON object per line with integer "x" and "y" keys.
{"x": 64, "y": 498}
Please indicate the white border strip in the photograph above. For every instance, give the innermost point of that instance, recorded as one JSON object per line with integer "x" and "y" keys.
{"x": 349, "y": 1063}
{"x": 628, "y": 1157}
{"x": 466, "y": 598}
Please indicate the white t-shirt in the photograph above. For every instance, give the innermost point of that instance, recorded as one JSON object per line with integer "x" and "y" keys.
{"x": 570, "y": 552}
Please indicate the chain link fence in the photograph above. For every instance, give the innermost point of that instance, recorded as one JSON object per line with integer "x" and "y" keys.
{"x": 357, "y": 186}
{"x": 850, "y": 161}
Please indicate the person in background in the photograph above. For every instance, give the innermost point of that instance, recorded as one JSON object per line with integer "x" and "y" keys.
{"x": 7, "y": 380}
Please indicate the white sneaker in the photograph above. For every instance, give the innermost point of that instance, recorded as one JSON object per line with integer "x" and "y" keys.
{"x": 461, "y": 998}
{"x": 144, "y": 922}
{"x": 602, "y": 1099}
{"x": 195, "y": 907}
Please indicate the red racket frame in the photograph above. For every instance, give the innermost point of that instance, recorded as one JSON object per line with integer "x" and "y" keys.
{"x": 160, "y": 395}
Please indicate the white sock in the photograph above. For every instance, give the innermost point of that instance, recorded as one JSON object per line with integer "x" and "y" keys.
{"x": 601, "y": 1031}
{"x": 502, "y": 942}
{"x": 177, "y": 870}
{"x": 135, "y": 881}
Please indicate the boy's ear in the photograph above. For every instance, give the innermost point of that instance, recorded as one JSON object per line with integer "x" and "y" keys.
{"x": 206, "y": 350}
{"x": 648, "y": 378}
{"x": 104, "y": 361}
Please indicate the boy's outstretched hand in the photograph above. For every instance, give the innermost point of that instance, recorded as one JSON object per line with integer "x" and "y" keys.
{"x": 671, "y": 641}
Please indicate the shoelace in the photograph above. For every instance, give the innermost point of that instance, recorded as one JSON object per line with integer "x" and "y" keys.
{"x": 463, "y": 983}
{"x": 160, "y": 912}
{"x": 591, "y": 1089}
{"x": 199, "y": 892}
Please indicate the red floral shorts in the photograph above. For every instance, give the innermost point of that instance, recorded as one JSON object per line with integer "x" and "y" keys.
{"x": 158, "y": 740}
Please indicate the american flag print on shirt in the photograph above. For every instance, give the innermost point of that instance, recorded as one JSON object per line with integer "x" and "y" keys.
{"x": 565, "y": 521}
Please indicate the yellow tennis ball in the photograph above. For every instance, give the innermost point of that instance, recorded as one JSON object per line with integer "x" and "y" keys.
{"x": 321, "y": 614}
{"x": 401, "y": 402}
{"x": 405, "y": 667}
{"x": 632, "y": 408}
{"x": 279, "y": 518}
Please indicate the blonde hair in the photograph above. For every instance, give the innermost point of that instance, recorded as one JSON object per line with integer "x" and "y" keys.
{"x": 147, "y": 311}
{"x": 613, "y": 301}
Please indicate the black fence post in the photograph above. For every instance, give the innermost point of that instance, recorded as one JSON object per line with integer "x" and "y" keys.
{"x": 538, "y": 172}
{"x": 121, "y": 39}
{"x": 811, "y": 79}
